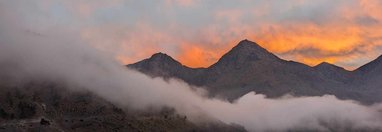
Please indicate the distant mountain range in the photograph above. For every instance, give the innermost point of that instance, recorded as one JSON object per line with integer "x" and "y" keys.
{"x": 249, "y": 67}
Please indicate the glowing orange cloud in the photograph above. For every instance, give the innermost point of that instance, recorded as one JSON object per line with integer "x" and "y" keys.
{"x": 195, "y": 56}
{"x": 352, "y": 34}
{"x": 337, "y": 42}
{"x": 307, "y": 43}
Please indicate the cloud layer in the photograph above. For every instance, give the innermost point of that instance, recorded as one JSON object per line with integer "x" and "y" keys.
{"x": 26, "y": 56}
{"x": 344, "y": 32}
{"x": 61, "y": 54}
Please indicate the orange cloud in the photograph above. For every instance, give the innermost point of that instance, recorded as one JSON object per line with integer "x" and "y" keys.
{"x": 196, "y": 56}
{"x": 346, "y": 33}
{"x": 307, "y": 43}
{"x": 351, "y": 37}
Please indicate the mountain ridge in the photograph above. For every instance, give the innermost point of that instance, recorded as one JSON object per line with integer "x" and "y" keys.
{"x": 249, "y": 67}
{"x": 373, "y": 64}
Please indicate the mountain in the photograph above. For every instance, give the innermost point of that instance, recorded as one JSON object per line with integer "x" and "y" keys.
{"x": 373, "y": 66}
{"x": 249, "y": 67}
{"x": 162, "y": 65}
{"x": 334, "y": 72}
{"x": 369, "y": 78}
{"x": 244, "y": 53}
{"x": 371, "y": 73}
{"x": 52, "y": 107}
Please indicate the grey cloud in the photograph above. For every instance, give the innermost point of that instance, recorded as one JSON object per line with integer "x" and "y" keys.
{"x": 366, "y": 20}
{"x": 61, "y": 55}
{"x": 79, "y": 65}
{"x": 313, "y": 52}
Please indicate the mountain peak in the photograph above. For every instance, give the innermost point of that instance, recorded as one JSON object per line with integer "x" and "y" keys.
{"x": 246, "y": 52}
{"x": 326, "y": 65}
{"x": 157, "y": 60}
{"x": 247, "y": 44}
{"x": 247, "y": 47}
{"x": 333, "y": 72}
{"x": 162, "y": 57}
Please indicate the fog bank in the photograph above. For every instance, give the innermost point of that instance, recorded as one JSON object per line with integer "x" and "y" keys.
{"x": 61, "y": 55}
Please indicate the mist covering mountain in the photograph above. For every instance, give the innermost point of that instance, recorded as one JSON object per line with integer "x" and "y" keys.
{"x": 48, "y": 84}
{"x": 55, "y": 77}
{"x": 249, "y": 67}
{"x": 51, "y": 107}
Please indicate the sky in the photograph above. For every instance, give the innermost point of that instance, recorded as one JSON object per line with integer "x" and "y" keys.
{"x": 59, "y": 42}
{"x": 347, "y": 33}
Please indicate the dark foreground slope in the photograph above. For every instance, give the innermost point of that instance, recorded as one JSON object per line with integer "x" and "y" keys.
{"x": 249, "y": 67}
{"x": 49, "y": 107}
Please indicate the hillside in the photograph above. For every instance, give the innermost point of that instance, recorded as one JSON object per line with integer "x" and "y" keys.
{"x": 51, "y": 107}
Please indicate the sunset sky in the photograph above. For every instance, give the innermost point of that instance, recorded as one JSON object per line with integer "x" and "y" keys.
{"x": 347, "y": 33}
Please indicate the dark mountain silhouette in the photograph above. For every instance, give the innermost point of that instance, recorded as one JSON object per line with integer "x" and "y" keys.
{"x": 162, "y": 65}
{"x": 334, "y": 72}
{"x": 373, "y": 66}
{"x": 249, "y": 67}
{"x": 369, "y": 78}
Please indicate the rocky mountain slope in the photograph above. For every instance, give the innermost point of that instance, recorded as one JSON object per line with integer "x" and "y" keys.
{"x": 249, "y": 67}
{"x": 51, "y": 107}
